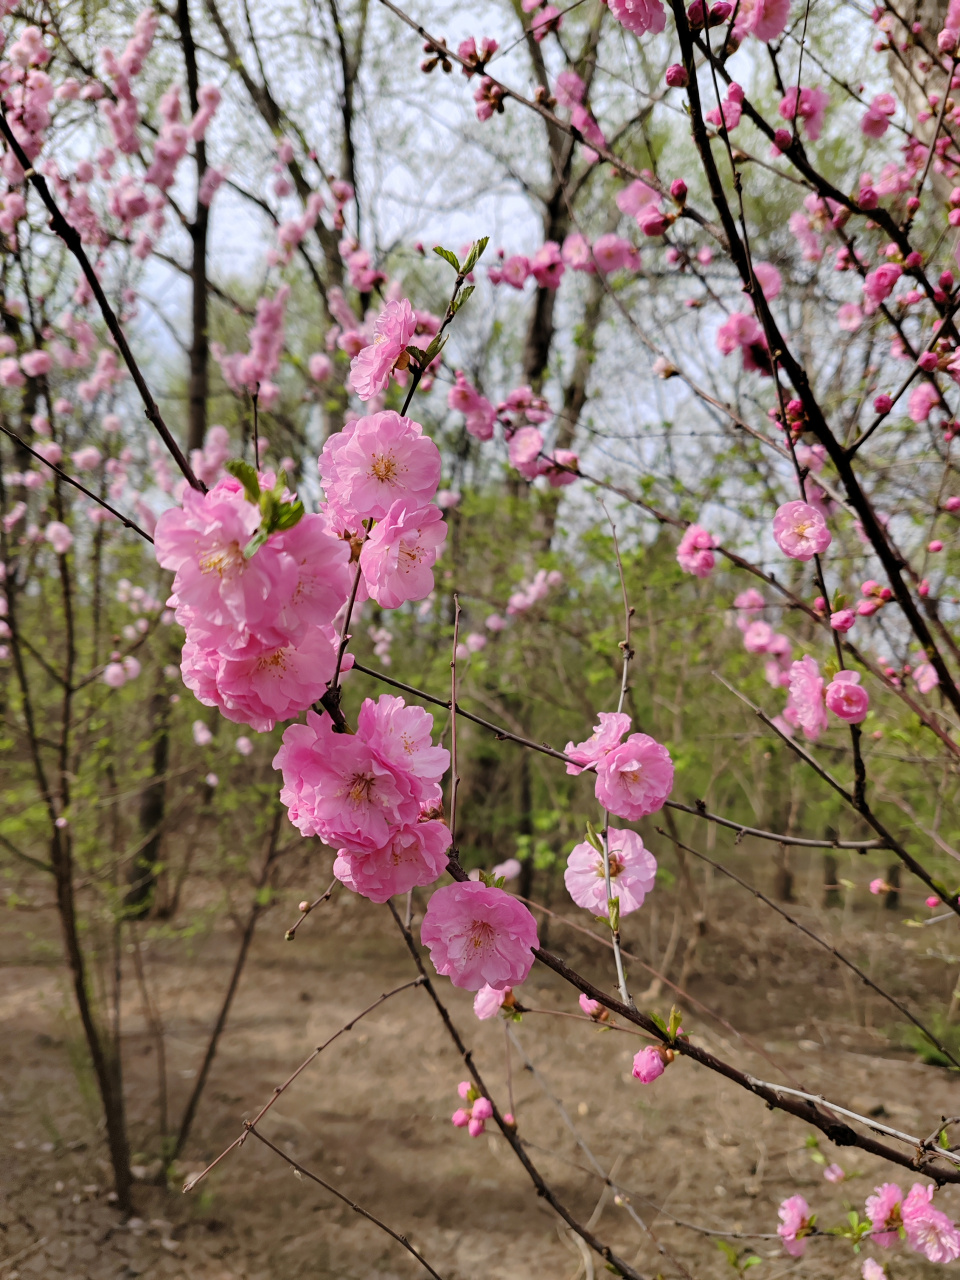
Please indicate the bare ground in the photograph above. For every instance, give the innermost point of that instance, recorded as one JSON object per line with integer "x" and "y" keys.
{"x": 371, "y": 1116}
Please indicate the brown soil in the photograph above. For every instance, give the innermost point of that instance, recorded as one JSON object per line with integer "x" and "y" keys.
{"x": 371, "y": 1116}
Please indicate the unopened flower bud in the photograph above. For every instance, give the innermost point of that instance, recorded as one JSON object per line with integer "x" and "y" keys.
{"x": 678, "y": 189}
{"x": 677, "y": 77}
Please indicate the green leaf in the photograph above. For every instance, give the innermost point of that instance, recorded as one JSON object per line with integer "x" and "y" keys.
{"x": 753, "y": 1261}
{"x": 417, "y": 353}
{"x": 255, "y": 543}
{"x": 475, "y": 254}
{"x": 613, "y": 906}
{"x": 728, "y": 1252}
{"x": 655, "y": 1017}
{"x": 593, "y": 838}
{"x": 247, "y": 476}
{"x": 435, "y": 347}
{"x": 290, "y": 513}
{"x": 448, "y": 257}
{"x": 464, "y": 295}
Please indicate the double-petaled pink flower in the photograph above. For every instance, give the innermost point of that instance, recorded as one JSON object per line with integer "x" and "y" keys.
{"x": 695, "y": 551}
{"x": 846, "y": 698}
{"x": 634, "y": 779}
{"x": 376, "y": 460}
{"x": 414, "y": 855}
{"x": 633, "y": 870}
{"x": 398, "y": 557}
{"x": 370, "y": 368}
{"x": 479, "y": 936}
{"x": 611, "y": 727}
{"x": 795, "y": 1225}
{"x": 800, "y": 530}
{"x": 806, "y": 697}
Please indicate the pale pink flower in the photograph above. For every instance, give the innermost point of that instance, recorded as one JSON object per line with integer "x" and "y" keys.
{"x": 794, "y": 1214}
{"x": 370, "y": 370}
{"x": 114, "y": 675}
{"x": 201, "y": 733}
{"x": 924, "y": 398}
{"x": 320, "y": 367}
{"x": 769, "y": 279}
{"x": 846, "y": 699}
{"x": 834, "y": 1173}
{"x": 849, "y": 317}
{"x": 323, "y": 575}
{"x": 633, "y": 870}
{"x": 570, "y": 89}
{"x": 800, "y": 531}
{"x": 878, "y": 285}
{"x": 479, "y": 936}
{"x": 374, "y": 461}
{"x": 86, "y": 459}
{"x": 611, "y": 253}
{"x": 398, "y": 557}
{"x": 883, "y": 1207}
{"x": 810, "y": 106}
{"x": 487, "y": 1002}
{"x": 576, "y": 253}
{"x": 515, "y": 270}
{"x": 634, "y": 779}
{"x": 806, "y": 697}
{"x": 479, "y": 412}
{"x": 635, "y": 198}
{"x": 525, "y": 448}
{"x": 748, "y": 602}
{"x": 639, "y": 16}
{"x": 648, "y": 1065}
{"x": 877, "y": 887}
{"x": 872, "y": 1270}
{"x": 876, "y": 122}
{"x": 546, "y": 265}
{"x": 929, "y": 1231}
{"x": 509, "y": 869}
{"x": 59, "y": 537}
{"x": 925, "y": 677}
{"x": 738, "y": 330}
{"x": 757, "y": 636}
{"x": 695, "y": 551}
{"x": 606, "y": 735}
{"x": 415, "y": 855}
{"x": 244, "y": 745}
{"x": 35, "y": 363}
{"x": 764, "y": 19}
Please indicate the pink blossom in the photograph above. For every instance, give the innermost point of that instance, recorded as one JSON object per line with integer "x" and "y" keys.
{"x": 576, "y": 253}
{"x": 546, "y": 265}
{"x": 398, "y": 557}
{"x": 475, "y": 1127}
{"x": 729, "y": 111}
{"x": 769, "y": 279}
{"x": 354, "y": 790}
{"x": 648, "y": 1065}
{"x": 482, "y": 1109}
{"x": 878, "y": 285}
{"x": 842, "y": 620}
{"x": 695, "y": 551}
{"x": 757, "y": 636}
{"x": 414, "y": 855}
{"x": 878, "y": 886}
{"x": 849, "y": 317}
{"x": 749, "y": 602}
{"x": 794, "y": 1214}
{"x": 611, "y": 727}
{"x": 376, "y": 460}
{"x": 370, "y": 370}
{"x": 764, "y": 19}
{"x": 883, "y": 1207}
{"x": 10, "y": 373}
{"x": 114, "y": 675}
{"x": 570, "y": 89}
{"x": 739, "y": 330}
{"x": 35, "y": 363}
{"x": 477, "y": 409}
{"x": 931, "y": 902}
{"x": 612, "y": 253}
{"x": 592, "y": 1008}
{"x": 929, "y": 1231}
{"x": 320, "y": 367}
{"x": 872, "y": 1270}
{"x": 59, "y": 537}
{"x": 639, "y": 16}
{"x": 806, "y": 697}
{"x": 479, "y": 936}
{"x": 925, "y": 677}
{"x": 635, "y": 198}
{"x": 633, "y": 870}
{"x": 877, "y": 119}
{"x": 810, "y": 106}
{"x": 487, "y": 1002}
{"x": 86, "y": 459}
{"x": 634, "y": 779}
{"x": 924, "y": 398}
{"x": 258, "y": 684}
{"x": 515, "y": 270}
{"x": 460, "y": 1118}
{"x": 800, "y": 531}
{"x": 524, "y": 451}
{"x": 834, "y": 1173}
{"x": 846, "y": 699}
{"x": 244, "y": 745}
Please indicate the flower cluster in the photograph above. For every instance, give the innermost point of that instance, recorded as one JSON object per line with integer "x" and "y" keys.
{"x": 374, "y": 796}
{"x": 477, "y": 1112}
{"x": 892, "y": 1217}
{"x": 259, "y": 636}
{"x": 634, "y": 777}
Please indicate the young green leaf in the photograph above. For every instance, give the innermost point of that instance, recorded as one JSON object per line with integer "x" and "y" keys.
{"x": 448, "y": 257}
{"x": 247, "y": 476}
{"x": 475, "y": 254}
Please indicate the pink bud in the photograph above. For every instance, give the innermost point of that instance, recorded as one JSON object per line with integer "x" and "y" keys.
{"x": 460, "y": 1118}
{"x": 878, "y": 886}
{"x": 475, "y": 1128}
{"x": 463, "y": 1088}
{"x": 842, "y": 620}
{"x": 928, "y": 361}
{"x": 952, "y": 503}
{"x": 648, "y": 1065}
{"x": 677, "y": 77}
{"x": 913, "y": 260}
{"x": 935, "y": 546}
{"x": 932, "y": 902}
{"x": 303, "y": 906}
{"x": 678, "y": 189}
{"x": 923, "y": 588}
{"x": 883, "y": 404}
{"x": 782, "y": 139}
{"x": 482, "y": 1109}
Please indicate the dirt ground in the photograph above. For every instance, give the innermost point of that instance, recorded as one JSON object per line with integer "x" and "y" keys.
{"x": 372, "y": 1115}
